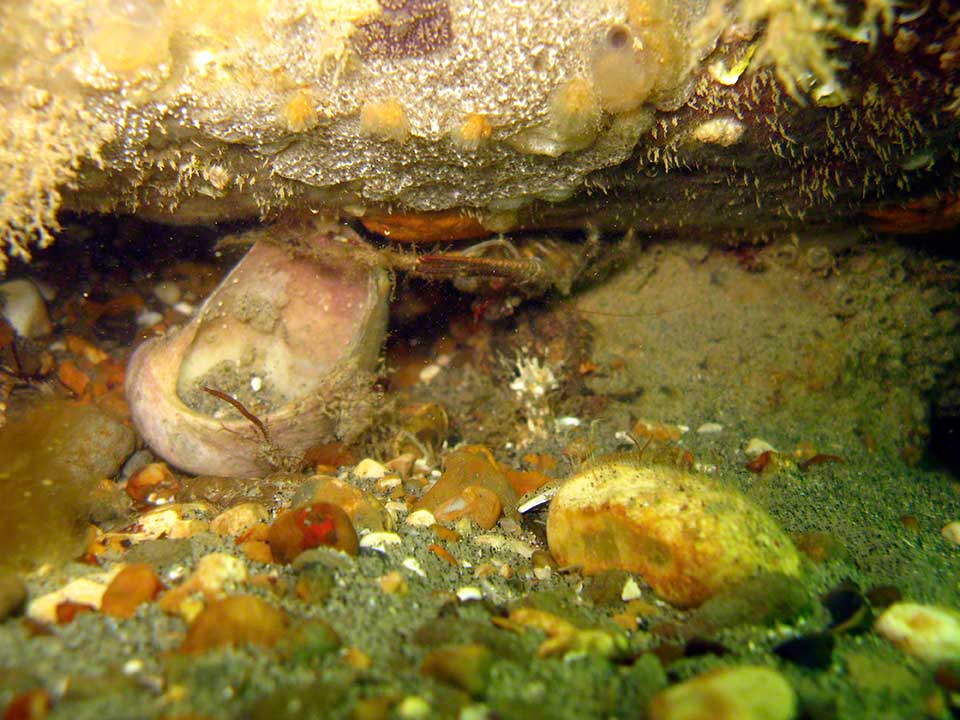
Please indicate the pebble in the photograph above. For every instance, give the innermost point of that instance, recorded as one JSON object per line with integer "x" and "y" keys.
{"x": 152, "y": 484}
{"x": 631, "y": 591}
{"x": 687, "y": 536}
{"x": 472, "y": 466}
{"x": 215, "y": 575}
{"x": 134, "y": 585}
{"x": 951, "y": 532}
{"x": 148, "y": 318}
{"x": 413, "y": 565}
{"x": 238, "y": 519}
{"x": 24, "y": 308}
{"x": 469, "y": 593}
{"x": 379, "y": 541}
{"x": 466, "y": 667}
{"x": 928, "y": 632}
{"x": 81, "y": 591}
{"x": 236, "y": 620}
{"x": 755, "y": 446}
{"x": 13, "y": 594}
{"x": 369, "y": 469}
{"x": 710, "y": 428}
{"x": 421, "y": 518}
{"x": 178, "y": 520}
{"x": 745, "y": 692}
{"x": 309, "y": 526}
{"x": 167, "y": 292}
{"x": 365, "y": 511}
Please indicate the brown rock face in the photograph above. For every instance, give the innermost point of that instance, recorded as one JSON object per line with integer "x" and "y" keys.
{"x": 686, "y": 535}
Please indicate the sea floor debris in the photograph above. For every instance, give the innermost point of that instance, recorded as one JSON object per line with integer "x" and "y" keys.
{"x": 201, "y": 596}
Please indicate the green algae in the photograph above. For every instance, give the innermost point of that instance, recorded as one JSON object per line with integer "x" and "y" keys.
{"x": 52, "y": 460}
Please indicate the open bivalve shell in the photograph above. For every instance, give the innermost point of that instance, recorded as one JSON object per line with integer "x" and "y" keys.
{"x": 293, "y": 334}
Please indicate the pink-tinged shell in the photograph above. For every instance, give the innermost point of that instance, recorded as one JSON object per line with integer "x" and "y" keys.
{"x": 318, "y": 349}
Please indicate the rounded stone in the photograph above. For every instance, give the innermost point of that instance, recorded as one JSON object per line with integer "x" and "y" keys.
{"x": 686, "y": 535}
{"x": 746, "y": 692}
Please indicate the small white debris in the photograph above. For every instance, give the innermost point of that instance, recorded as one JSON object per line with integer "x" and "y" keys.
{"x": 148, "y": 318}
{"x": 167, "y": 292}
{"x": 723, "y": 131}
{"x": 132, "y": 667}
{"x": 537, "y": 500}
{"x": 755, "y": 446}
{"x": 421, "y": 518}
{"x": 631, "y": 591}
{"x": 396, "y": 507}
{"x": 388, "y": 483}
{"x": 468, "y": 593}
{"x": 256, "y": 383}
{"x": 710, "y": 428}
{"x": 705, "y": 468}
{"x": 184, "y": 308}
{"x": 502, "y": 542}
{"x": 413, "y": 707}
{"x": 927, "y": 632}
{"x": 951, "y": 532}
{"x": 413, "y": 565}
{"x": 24, "y": 308}
{"x": 429, "y": 373}
{"x": 567, "y": 421}
{"x": 379, "y": 540}
{"x": 369, "y": 469}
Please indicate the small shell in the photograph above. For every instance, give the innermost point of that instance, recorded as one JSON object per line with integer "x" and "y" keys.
{"x": 301, "y": 316}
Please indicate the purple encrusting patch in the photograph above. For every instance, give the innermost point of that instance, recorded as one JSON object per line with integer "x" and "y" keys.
{"x": 405, "y": 28}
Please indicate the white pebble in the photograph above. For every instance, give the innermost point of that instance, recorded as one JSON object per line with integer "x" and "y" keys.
{"x": 413, "y": 565}
{"x": 469, "y": 592}
{"x": 567, "y": 422}
{"x": 256, "y": 383}
{"x": 184, "y": 308}
{"x": 147, "y": 318}
{"x": 927, "y": 632}
{"x": 379, "y": 540}
{"x": 710, "y": 428}
{"x": 167, "y": 292}
{"x": 951, "y": 532}
{"x": 631, "y": 591}
{"x": 369, "y": 469}
{"x": 413, "y": 707}
{"x": 755, "y": 446}
{"x": 132, "y": 667}
{"x": 429, "y": 373}
{"x": 421, "y": 518}
{"x": 24, "y": 308}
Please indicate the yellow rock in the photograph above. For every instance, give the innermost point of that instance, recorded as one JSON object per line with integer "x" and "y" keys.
{"x": 747, "y": 692}
{"x": 686, "y": 535}
{"x": 236, "y": 620}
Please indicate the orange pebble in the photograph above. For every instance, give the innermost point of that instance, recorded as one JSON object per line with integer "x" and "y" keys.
{"x": 443, "y": 554}
{"x": 68, "y": 610}
{"x": 73, "y": 377}
{"x": 132, "y": 586}
{"x": 526, "y": 481}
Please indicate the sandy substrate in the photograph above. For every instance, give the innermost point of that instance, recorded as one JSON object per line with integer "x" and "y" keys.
{"x": 832, "y": 346}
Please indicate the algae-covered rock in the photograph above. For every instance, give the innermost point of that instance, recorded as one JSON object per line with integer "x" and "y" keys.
{"x": 53, "y": 458}
{"x": 686, "y": 535}
{"x": 746, "y": 692}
